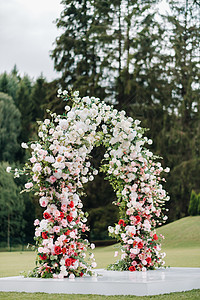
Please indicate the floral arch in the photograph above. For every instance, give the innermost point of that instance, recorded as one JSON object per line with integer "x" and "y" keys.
{"x": 59, "y": 167}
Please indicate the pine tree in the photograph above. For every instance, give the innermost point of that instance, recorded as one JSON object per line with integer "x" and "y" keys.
{"x": 77, "y": 54}
{"x": 38, "y": 98}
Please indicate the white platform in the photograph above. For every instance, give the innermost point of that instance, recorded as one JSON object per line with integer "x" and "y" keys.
{"x": 111, "y": 283}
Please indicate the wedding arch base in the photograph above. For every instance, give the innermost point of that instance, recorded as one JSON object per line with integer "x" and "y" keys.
{"x": 160, "y": 281}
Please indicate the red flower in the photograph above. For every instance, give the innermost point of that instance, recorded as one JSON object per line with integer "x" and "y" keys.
{"x": 64, "y": 250}
{"x": 140, "y": 245}
{"x": 69, "y": 218}
{"x": 71, "y": 204}
{"x": 121, "y": 222}
{"x": 45, "y": 234}
{"x": 81, "y": 274}
{"x": 67, "y": 232}
{"x": 148, "y": 260}
{"x": 61, "y": 215}
{"x": 138, "y": 219}
{"x": 46, "y": 215}
{"x": 155, "y": 237}
{"x": 132, "y": 268}
{"x": 70, "y": 261}
{"x": 43, "y": 256}
{"x": 57, "y": 250}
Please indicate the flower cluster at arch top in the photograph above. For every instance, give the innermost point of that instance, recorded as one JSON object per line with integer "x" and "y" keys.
{"x": 60, "y": 166}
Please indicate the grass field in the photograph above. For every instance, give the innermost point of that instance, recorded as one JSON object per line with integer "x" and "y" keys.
{"x": 191, "y": 295}
{"x": 181, "y": 244}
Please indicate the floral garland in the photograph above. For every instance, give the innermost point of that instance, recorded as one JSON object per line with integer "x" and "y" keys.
{"x": 58, "y": 169}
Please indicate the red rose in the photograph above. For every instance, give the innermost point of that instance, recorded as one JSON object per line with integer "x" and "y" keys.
{"x": 61, "y": 215}
{"x": 155, "y": 237}
{"x": 138, "y": 219}
{"x": 71, "y": 204}
{"x": 57, "y": 250}
{"x": 69, "y": 218}
{"x": 64, "y": 250}
{"x": 46, "y": 215}
{"x": 43, "y": 256}
{"x": 132, "y": 268}
{"x": 81, "y": 274}
{"x": 70, "y": 261}
{"x": 45, "y": 234}
{"x": 140, "y": 245}
{"x": 121, "y": 222}
{"x": 148, "y": 260}
{"x": 67, "y": 232}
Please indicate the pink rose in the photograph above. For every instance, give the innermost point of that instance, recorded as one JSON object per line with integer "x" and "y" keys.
{"x": 28, "y": 185}
{"x": 56, "y": 229}
{"x": 36, "y": 222}
{"x": 52, "y": 179}
{"x": 43, "y": 201}
{"x": 64, "y": 222}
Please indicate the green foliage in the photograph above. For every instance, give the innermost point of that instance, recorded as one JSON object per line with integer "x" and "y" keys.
{"x": 193, "y": 205}
{"x": 198, "y": 200}
{"x": 12, "y": 207}
{"x": 38, "y": 98}
{"x": 10, "y": 128}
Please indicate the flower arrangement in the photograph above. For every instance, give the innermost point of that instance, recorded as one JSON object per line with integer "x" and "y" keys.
{"x": 58, "y": 169}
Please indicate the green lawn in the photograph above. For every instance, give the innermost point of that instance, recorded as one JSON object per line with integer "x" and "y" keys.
{"x": 192, "y": 295}
{"x": 181, "y": 244}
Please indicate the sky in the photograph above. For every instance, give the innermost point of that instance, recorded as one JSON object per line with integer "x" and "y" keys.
{"x": 27, "y": 34}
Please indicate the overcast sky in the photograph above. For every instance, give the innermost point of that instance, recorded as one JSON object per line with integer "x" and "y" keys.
{"x": 27, "y": 33}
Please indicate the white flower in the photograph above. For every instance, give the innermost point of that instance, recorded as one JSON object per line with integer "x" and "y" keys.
{"x": 93, "y": 264}
{"x": 71, "y": 276}
{"x": 110, "y": 229}
{"x": 167, "y": 170}
{"x": 137, "y": 122}
{"x": 24, "y": 145}
{"x": 92, "y": 246}
{"x": 8, "y": 169}
{"x": 65, "y": 92}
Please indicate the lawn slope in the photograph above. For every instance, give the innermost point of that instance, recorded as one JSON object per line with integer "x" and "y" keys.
{"x": 183, "y": 233}
{"x": 181, "y": 244}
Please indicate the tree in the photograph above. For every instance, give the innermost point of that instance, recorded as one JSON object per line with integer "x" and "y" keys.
{"x": 10, "y": 128}
{"x": 38, "y": 98}
{"x": 9, "y": 83}
{"x": 12, "y": 207}
{"x": 78, "y": 53}
{"x": 182, "y": 130}
{"x": 193, "y": 205}
{"x": 25, "y": 106}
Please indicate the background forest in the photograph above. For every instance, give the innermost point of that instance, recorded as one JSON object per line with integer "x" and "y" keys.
{"x": 127, "y": 54}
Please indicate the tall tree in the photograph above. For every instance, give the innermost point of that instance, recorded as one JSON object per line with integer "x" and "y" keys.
{"x": 78, "y": 53}
{"x": 10, "y": 128}
{"x": 183, "y": 127}
{"x": 11, "y": 208}
{"x": 38, "y": 98}
{"x": 25, "y": 105}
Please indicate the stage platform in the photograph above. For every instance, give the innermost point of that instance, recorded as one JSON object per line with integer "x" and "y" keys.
{"x": 155, "y": 282}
